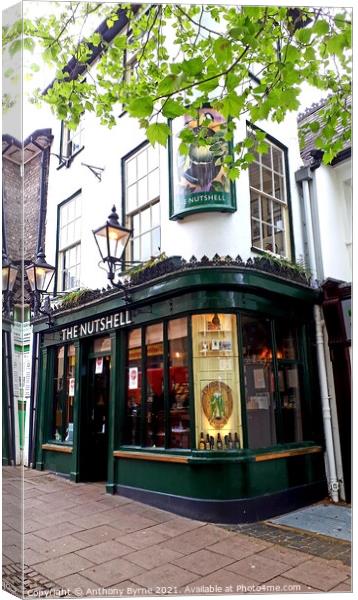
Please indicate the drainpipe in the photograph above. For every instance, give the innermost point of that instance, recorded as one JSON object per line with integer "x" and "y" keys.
{"x": 303, "y": 176}
{"x": 333, "y": 485}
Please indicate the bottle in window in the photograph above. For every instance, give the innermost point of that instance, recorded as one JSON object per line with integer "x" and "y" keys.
{"x": 207, "y": 442}
{"x": 237, "y": 445}
{"x": 230, "y": 441}
{"x": 219, "y": 442}
{"x": 202, "y": 442}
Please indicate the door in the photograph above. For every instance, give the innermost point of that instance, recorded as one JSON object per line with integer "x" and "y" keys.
{"x": 94, "y": 422}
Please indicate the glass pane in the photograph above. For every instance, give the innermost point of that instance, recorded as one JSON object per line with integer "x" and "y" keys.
{"x": 255, "y": 206}
{"x": 266, "y": 210}
{"x": 70, "y": 233}
{"x": 153, "y": 157}
{"x": 259, "y": 382}
{"x": 267, "y": 181}
{"x": 290, "y": 398}
{"x": 142, "y": 191}
{"x": 278, "y": 216}
{"x": 286, "y": 340}
{"x": 277, "y": 159}
{"x": 142, "y": 165}
{"x": 254, "y": 175}
{"x": 155, "y": 214}
{"x": 156, "y": 241}
{"x": 155, "y": 422}
{"x": 131, "y": 198}
{"x": 71, "y": 210}
{"x": 78, "y": 203}
{"x": 102, "y": 344}
{"x": 77, "y": 229}
{"x": 280, "y": 243}
{"x": 131, "y": 168}
{"x": 279, "y": 187}
{"x": 153, "y": 185}
{"x": 65, "y": 365}
{"x": 267, "y": 239}
{"x": 145, "y": 220}
{"x": 266, "y": 158}
{"x": 255, "y": 232}
{"x": 136, "y": 224}
{"x": 179, "y": 436}
{"x": 146, "y": 246}
{"x": 131, "y": 433}
{"x": 136, "y": 248}
{"x": 63, "y": 237}
{"x": 216, "y": 382}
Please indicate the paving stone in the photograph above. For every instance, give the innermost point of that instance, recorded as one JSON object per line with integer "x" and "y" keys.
{"x": 33, "y": 557}
{"x": 88, "y": 522}
{"x": 12, "y": 552}
{"x": 176, "y": 526}
{"x": 128, "y": 524}
{"x": 112, "y": 572}
{"x": 88, "y": 508}
{"x": 313, "y": 573}
{"x": 239, "y": 546}
{"x": 287, "y": 586}
{"x": 203, "y": 562}
{"x": 79, "y": 586}
{"x": 200, "y": 537}
{"x": 54, "y": 532}
{"x": 141, "y": 539}
{"x": 97, "y": 534}
{"x": 104, "y": 552}
{"x": 164, "y": 576}
{"x": 285, "y": 555}
{"x": 258, "y": 568}
{"x": 152, "y": 557}
{"x": 63, "y": 565}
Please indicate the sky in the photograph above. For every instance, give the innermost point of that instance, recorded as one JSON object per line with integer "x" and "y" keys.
{"x": 36, "y": 118}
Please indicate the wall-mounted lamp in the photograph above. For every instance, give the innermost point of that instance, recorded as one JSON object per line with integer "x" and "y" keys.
{"x": 9, "y": 274}
{"x": 40, "y": 275}
{"x": 112, "y": 240}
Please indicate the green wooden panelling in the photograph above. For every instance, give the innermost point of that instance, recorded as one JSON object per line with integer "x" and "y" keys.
{"x": 57, "y": 462}
{"x": 223, "y": 481}
{"x": 75, "y": 463}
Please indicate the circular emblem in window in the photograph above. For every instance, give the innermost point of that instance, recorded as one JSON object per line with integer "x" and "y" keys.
{"x": 216, "y": 400}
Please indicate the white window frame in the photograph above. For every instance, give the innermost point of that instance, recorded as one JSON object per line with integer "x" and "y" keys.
{"x": 131, "y": 213}
{"x": 259, "y": 194}
{"x": 64, "y": 248}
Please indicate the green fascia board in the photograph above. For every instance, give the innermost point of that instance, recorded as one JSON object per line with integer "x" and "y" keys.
{"x": 172, "y": 284}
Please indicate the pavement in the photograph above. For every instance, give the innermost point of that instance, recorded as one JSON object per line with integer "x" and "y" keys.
{"x": 79, "y": 541}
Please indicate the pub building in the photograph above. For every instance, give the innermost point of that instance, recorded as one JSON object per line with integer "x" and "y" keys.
{"x": 194, "y": 389}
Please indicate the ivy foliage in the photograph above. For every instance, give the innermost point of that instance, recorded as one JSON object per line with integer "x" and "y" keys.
{"x": 170, "y": 60}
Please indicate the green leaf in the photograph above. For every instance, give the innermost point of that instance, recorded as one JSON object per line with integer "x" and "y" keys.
{"x": 222, "y": 49}
{"x": 168, "y": 85}
{"x": 158, "y": 133}
{"x": 232, "y": 105}
{"x": 321, "y": 27}
{"x": 192, "y": 66}
{"x": 35, "y": 67}
{"x": 314, "y": 127}
{"x": 141, "y": 107}
{"x": 172, "y": 109}
{"x": 15, "y": 47}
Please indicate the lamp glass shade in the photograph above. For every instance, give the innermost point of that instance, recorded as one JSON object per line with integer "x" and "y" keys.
{"x": 9, "y": 273}
{"x": 40, "y": 276}
{"x": 112, "y": 241}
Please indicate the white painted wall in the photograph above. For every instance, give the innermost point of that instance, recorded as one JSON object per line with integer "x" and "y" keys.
{"x": 203, "y": 233}
{"x": 334, "y": 189}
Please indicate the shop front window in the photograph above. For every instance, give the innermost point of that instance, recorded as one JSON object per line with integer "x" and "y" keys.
{"x": 64, "y": 382}
{"x": 216, "y": 382}
{"x": 179, "y": 384}
{"x": 289, "y": 380}
{"x": 261, "y": 407}
{"x": 154, "y": 410}
{"x": 134, "y": 389}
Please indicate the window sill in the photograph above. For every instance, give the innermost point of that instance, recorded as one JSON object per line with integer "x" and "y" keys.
{"x": 268, "y": 253}
{"x": 58, "y": 447}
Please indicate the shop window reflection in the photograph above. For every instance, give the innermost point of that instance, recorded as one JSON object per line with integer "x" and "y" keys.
{"x": 154, "y": 434}
{"x": 64, "y": 382}
{"x": 259, "y": 382}
{"x": 290, "y": 398}
{"x": 179, "y": 384}
{"x": 134, "y": 389}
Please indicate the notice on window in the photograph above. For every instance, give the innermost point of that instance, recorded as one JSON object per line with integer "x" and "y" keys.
{"x": 71, "y": 386}
{"x": 99, "y": 365}
{"x": 259, "y": 379}
{"x": 133, "y": 378}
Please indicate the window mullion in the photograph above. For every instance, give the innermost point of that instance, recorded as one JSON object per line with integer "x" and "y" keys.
{"x": 166, "y": 366}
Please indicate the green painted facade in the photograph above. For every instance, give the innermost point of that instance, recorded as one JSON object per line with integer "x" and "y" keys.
{"x": 220, "y": 475}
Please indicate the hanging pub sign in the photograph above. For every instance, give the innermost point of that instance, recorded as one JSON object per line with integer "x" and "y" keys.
{"x": 198, "y": 183}
{"x": 96, "y": 326}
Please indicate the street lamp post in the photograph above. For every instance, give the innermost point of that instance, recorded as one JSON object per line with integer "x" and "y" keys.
{"x": 112, "y": 240}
